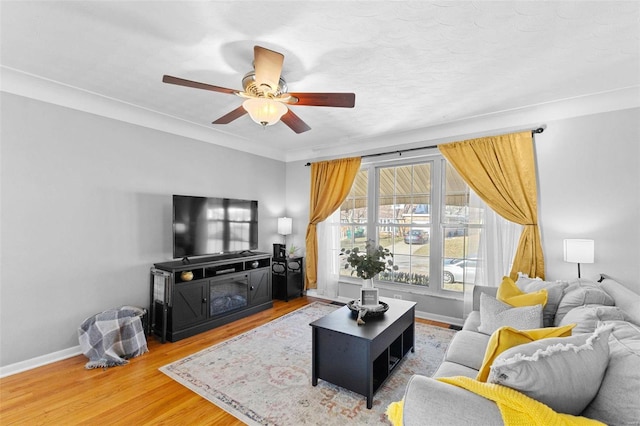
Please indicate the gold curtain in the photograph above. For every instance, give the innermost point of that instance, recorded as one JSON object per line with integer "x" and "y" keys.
{"x": 331, "y": 182}
{"x": 501, "y": 170}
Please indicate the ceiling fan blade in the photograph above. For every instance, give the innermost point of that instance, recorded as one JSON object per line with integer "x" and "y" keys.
{"x": 294, "y": 122}
{"x": 182, "y": 82}
{"x": 268, "y": 66}
{"x": 339, "y": 100}
{"x": 228, "y": 118}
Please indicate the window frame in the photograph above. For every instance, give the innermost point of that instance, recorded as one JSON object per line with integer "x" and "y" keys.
{"x": 436, "y": 222}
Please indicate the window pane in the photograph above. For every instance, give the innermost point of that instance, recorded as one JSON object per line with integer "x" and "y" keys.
{"x": 460, "y": 243}
{"x": 404, "y": 206}
{"x": 353, "y": 217}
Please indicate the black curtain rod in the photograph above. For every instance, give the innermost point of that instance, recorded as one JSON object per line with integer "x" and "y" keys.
{"x": 399, "y": 152}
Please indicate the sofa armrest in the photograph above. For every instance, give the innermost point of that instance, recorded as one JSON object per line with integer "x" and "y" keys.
{"x": 430, "y": 402}
{"x": 477, "y": 289}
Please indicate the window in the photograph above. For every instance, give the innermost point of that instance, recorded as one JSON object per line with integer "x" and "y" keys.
{"x": 420, "y": 211}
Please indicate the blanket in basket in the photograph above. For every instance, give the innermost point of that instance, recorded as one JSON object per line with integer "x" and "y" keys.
{"x": 113, "y": 336}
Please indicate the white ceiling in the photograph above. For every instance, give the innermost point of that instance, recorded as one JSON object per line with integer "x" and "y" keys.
{"x": 414, "y": 66}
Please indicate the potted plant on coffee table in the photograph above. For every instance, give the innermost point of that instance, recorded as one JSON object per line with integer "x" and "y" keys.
{"x": 366, "y": 265}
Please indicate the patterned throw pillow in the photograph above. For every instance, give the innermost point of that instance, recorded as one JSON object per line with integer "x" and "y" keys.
{"x": 564, "y": 373}
{"x": 495, "y": 314}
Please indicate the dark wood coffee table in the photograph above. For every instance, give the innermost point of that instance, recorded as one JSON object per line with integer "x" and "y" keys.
{"x": 360, "y": 358}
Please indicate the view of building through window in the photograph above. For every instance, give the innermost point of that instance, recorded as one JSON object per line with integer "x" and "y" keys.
{"x": 421, "y": 213}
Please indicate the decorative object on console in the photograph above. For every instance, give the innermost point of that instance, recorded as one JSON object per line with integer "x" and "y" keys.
{"x": 186, "y": 275}
{"x": 579, "y": 251}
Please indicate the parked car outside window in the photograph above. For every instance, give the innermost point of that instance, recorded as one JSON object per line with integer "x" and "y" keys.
{"x": 455, "y": 271}
{"x": 416, "y": 236}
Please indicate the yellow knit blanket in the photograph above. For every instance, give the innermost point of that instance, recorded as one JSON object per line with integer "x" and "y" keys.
{"x": 516, "y": 408}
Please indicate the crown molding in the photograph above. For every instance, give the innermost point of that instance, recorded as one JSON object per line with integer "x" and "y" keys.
{"x": 34, "y": 87}
{"x": 483, "y": 125}
{"x": 49, "y": 91}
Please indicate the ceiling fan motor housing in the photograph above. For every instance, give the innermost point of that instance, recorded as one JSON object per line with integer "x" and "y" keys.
{"x": 262, "y": 91}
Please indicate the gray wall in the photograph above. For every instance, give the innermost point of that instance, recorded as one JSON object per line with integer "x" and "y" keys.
{"x": 589, "y": 187}
{"x": 86, "y": 211}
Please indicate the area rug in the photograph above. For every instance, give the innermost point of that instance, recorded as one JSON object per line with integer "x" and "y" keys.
{"x": 263, "y": 377}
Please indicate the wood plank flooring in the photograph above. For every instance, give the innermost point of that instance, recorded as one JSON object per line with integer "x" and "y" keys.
{"x": 64, "y": 393}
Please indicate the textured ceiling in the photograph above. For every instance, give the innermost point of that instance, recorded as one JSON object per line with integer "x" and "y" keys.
{"x": 412, "y": 65}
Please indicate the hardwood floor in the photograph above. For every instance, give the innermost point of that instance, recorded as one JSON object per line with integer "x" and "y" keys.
{"x": 64, "y": 393}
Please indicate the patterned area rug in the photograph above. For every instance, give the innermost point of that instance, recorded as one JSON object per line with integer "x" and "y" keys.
{"x": 263, "y": 377}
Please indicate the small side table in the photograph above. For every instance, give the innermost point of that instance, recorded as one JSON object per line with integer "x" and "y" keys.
{"x": 287, "y": 277}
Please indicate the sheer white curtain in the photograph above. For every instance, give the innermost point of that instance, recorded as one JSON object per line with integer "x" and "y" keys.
{"x": 328, "y": 255}
{"x": 497, "y": 247}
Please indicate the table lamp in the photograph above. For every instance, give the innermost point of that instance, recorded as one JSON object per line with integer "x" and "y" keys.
{"x": 578, "y": 251}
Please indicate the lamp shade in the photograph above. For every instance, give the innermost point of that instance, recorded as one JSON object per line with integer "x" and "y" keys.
{"x": 579, "y": 251}
{"x": 284, "y": 225}
{"x": 264, "y": 111}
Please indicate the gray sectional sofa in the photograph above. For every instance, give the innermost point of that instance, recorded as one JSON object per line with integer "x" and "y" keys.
{"x": 614, "y": 394}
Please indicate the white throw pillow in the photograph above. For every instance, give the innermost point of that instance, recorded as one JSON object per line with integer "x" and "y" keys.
{"x": 618, "y": 401}
{"x": 554, "y": 289}
{"x": 581, "y": 292}
{"x": 587, "y": 317}
{"x": 495, "y": 314}
{"x": 564, "y": 373}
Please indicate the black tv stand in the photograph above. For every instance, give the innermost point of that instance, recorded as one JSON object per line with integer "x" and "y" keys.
{"x": 204, "y": 293}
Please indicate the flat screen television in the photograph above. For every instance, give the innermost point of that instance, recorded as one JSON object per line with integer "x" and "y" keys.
{"x": 206, "y": 225}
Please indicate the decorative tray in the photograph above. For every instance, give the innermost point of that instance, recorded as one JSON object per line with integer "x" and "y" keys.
{"x": 354, "y": 307}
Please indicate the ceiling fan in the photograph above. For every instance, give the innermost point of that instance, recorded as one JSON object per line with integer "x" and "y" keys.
{"x": 266, "y": 96}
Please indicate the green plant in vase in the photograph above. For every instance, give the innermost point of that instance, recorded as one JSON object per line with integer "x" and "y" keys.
{"x": 370, "y": 262}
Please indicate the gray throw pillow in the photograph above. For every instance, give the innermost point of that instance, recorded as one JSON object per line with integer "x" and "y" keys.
{"x": 563, "y": 373}
{"x": 554, "y": 289}
{"x": 495, "y": 314}
{"x": 578, "y": 293}
{"x": 617, "y": 401}
{"x": 587, "y": 317}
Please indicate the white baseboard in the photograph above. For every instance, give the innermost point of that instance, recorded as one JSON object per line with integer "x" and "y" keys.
{"x": 32, "y": 363}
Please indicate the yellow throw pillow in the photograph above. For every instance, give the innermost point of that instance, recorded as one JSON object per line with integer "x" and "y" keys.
{"x": 508, "y": 292}
{"x": 508, "y": 337}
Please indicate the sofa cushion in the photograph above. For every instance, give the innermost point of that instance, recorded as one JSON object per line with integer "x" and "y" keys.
{"x": 587, "y": 317}
{"x": 554, "y": 289}
{"x": 451, "y": 369}
{"x": 581, "y": 292}
{"x": 617, "y": 402}
{"x": 625, "y": 299}
{"x": 563, "y": 373}
{"x": 472, "y": 322}
{"x": 431, "y": 402}
{"x": 466, "y": 348}
{"x": 495, "y": 314}
{"x": 507, "y": 337}
{"x": 508, "y": 292}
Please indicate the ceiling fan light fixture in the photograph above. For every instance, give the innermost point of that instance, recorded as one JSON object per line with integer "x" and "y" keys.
{"x": 263, "y": 111}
